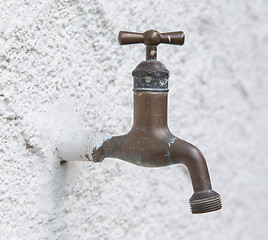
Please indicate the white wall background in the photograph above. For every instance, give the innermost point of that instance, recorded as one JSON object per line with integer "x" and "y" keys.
{"x": 61, "y": 66}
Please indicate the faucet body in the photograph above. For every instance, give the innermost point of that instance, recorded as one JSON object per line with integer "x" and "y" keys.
{"x": 149, "y": 143}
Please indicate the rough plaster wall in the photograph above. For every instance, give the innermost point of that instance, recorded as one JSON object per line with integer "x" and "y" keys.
{"x": 61, "y": 66}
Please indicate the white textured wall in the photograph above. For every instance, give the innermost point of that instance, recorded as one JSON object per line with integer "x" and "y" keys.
{"x": 61, "y": 65}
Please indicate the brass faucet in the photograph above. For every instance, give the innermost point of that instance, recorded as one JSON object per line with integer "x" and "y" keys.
{"x": 150, "y": 143}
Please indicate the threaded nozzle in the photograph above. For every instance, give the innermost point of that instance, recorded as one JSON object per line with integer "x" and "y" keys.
{"x": 207, "y": 201}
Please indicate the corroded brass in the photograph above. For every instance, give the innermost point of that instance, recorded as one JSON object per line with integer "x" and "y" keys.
{"x": 150, "y": 143}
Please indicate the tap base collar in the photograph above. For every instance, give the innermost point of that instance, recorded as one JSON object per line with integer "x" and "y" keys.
{"x": 150, "y": 76}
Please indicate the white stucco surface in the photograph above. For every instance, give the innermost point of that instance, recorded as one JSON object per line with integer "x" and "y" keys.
{"x": 62, "y": 67}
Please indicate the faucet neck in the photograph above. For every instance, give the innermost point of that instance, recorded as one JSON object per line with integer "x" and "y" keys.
{"x": 151, "y": 53}
{"x": 150, "y": 110}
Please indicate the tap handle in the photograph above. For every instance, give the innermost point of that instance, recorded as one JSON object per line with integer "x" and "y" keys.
{"x": 151, "y": 38}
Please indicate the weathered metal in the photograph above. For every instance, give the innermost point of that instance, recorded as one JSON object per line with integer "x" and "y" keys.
{"x": 150, "y": 143}
{"x": 150, "y": 76}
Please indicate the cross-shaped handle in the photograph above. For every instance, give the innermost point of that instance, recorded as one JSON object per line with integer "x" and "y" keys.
{"x": 151, "y": 39}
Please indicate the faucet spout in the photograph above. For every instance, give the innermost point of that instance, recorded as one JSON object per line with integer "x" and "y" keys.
{"x": 189, "y": 155}
{"x": 204, "y": 198}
